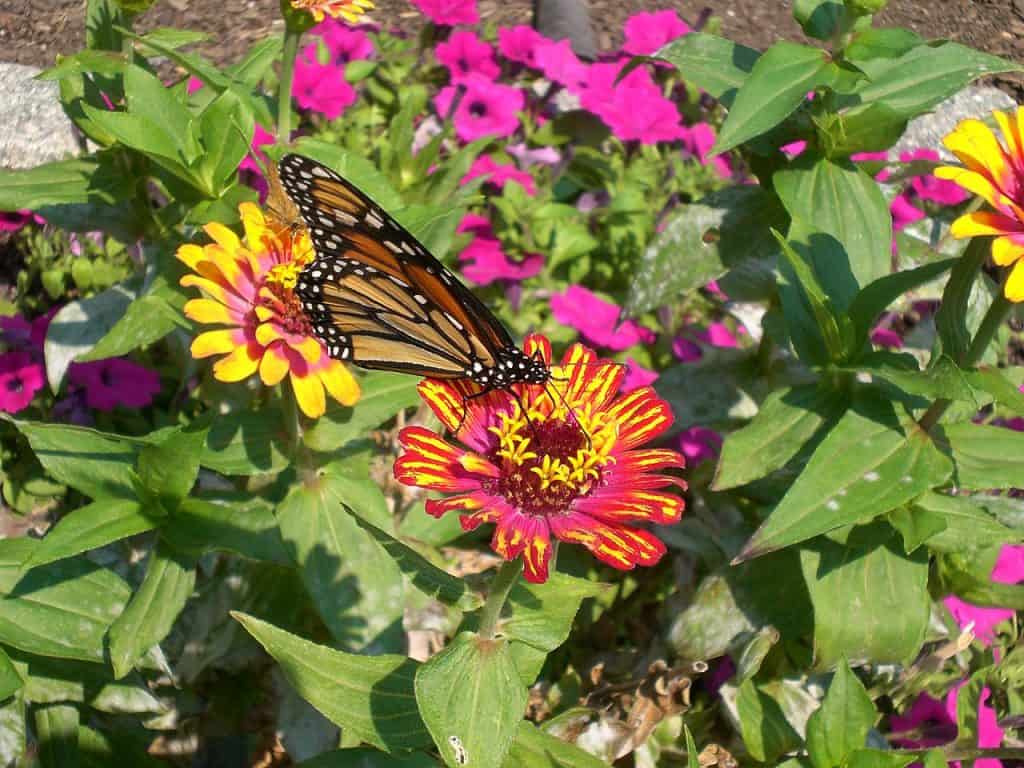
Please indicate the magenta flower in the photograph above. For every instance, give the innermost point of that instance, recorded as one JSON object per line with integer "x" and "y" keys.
{"x": 698, "y": 140}
{"x": 13, "y": 221}
{"x": 1009, "y": 569}
{"x": 597, "y": 320}
{"x": 794, "y": 148}
{"x": 887, "y": 338}
{"x": 321, "y": 88}
{"x": 260, "y": 138}
{"x": 928, "y": 187}
{"x": 560, "y": 65}
{"x": 869, "y": 157}
{"x": 484, "y": 259}
{"x": 16, "y": 331}
{"x": 449, "y": 12}
{"x": 21, "y": 376}
{"x": 485, "y": 109}
{"x": 538, "y": 156}
{"x": 465, "y": 54}
{"x": 928, "y": 717}
{"x": 686, "y": 350}
{"x": 633, "y": 107}
{"x": 637, "y": 376}
{"x": 903, "y": 213}
{"x": 499, "y": 175}
{"x": 344, "y": 43}
{"x": 647, "y": 32}
{"x": 698, "y": 444}
{"x": 718, "y": 335}
{"x": 520, "y": 44}
{"x": 113, "y": 382}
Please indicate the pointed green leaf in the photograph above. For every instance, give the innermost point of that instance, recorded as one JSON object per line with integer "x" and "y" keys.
{"x": 965, "y": 300}
{"x": 871, "y": 576}
{"x": 147, "y": 96}
{"x": 867, "y": 465}
{"x": 57, "y": 734}
{"x": 85, "y": 180}
{"x": 541, "y": 615}
{"x": 250, "y": 530}
{"x": 533, "y": 748}
{"x": 840, "y": 726}
{"x": 985, "y": 457}
{"x": 786, "y": 421}
{"x": 168, "y": 469}
{"x": 716, "y": 65}
{"x": 971, "y": 522}
{"x": 766, "y": 732}
{"x": 170, "y": 578}
{"x": 778, "y": 83}
{"x": 246, "y": 443}
{"x": 226, "y": 129}
{"x": 92, "y": 526}
{"x": 692, "y": 760}
{"x": 383, "y": 395}
{"x": 147, "y": 319}
{"x": 370, "y": 696}
{"x": 10, "y": 680}
{"x": 472, "y": 701}
{"x": 916, "y": 525}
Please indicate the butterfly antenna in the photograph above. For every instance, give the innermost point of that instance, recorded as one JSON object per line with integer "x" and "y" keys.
{"x": 568, "y": 409}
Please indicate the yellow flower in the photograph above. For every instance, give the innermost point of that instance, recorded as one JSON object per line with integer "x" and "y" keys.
{"x": 247, "y": 287}
{"x": 995, "y": 173}
{"x": 351, "y": 11}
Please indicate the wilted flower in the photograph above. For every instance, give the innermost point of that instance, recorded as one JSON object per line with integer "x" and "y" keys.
{"x": 114, "y": 382}
{"x": 321, "y": 87}
{"x": 449, "y": 12}
{"x": 499, "y": 174}
{"x": 996, "y": 174}
{"x": 569, "y": 466}
{"x": 465, "y": 54}
{"x": 248, "y": 287}
{"x": 485, "y": 109}
{"x": 520, "y": 44}
{"x": 597, "y": 320}
{"x": 349, "y": 10}
{"x": 21, "y": 376}
{"x": 647, "y": 32}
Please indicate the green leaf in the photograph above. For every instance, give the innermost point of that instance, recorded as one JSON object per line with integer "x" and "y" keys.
{"x": 57, "y": 734}
{"x": 169, "y": 468}
{"x": 755, "y": 651}
{"x": 533, "y": 748}
{"x": 97, "y": 464}
{"x": 78, "y": 326}
{"x": 246, "y": 443}
{"x": 871, "y": 575}
{"x": 62, "y": 609}
{"x": 226, "y": 128}
{"x": 870, "y": 127}
{"x": 787, "y": 420}
{"x": 147, "y": 319}
{"x": 916, "y": 525}
{"x": 541, "y": 615}
{"x": 992, "y": 381}
{"x": 369, "y": 696}
{"x": 248, "y": 529}
{"x": 878, "y": 758}
{"x": 985, "y": 457}
{"x": 926, "y": 75}
{"x": 766, "y": 732}
{"x": 702, "y": 241}
{"x": 885, "y": 43}
{"x": 837, "y": 198}
{"x": 971, "y": 523}
{"x": 942, "y": 380}
{"x": 383, "y": 395}
{"x": 170, "y": 578}
{"x": 819, "y": 18}
{"x": 92, "y": 526}
{"x": 776, "y": 86}
{"x": 841, "y": 724}
{"x": 147, "y": 96}
{"x": 352, "y": 580}
{"x": 98, "y": 62}
{"x": 692, "y": 760}
{"x": 867, "y": 465}
{"x": 10, "y": 680}
{"x": 87, "y": 180}
{"x": 716, "y": 65}
{"x": 369, "y": 758}
{"x": 472, "y": 701}
{"x": 12, "y": 730}
{"x": 964, "y": 300}
{"x": 424, "y": 575}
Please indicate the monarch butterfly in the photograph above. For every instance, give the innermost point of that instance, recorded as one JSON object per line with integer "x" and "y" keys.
{"x": 377, "y": 298}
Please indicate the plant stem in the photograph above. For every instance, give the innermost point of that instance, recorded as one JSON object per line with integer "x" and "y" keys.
{"x": 990, "y": 324}
{"x": 284, "y": 89}
{"x": 503, "y": 582}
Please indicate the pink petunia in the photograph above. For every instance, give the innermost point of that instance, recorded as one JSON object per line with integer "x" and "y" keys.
{"x": 485, "y": 109}
{"x": 261, "y": 137}
{"x": 928, "y": 717}
{"x": 637, "y": 376}
{"x": 698, "y": 444}
{"x": 561, "y": 65}
{"x": 485, "y": 262}
{"x": 21, "y": 376}
{"x": 928, "y": 187}
{"x": 718, "y": 335}
{"x": 794, "y": 148}
{"x": 113, "y": 382}
{"x": 903, "y": 213}
{"x": 465, "y": 54}
{"x": 597, "y": 320}
{"x": 344, "y": 43}
{"x": 686, "y": 350}
{"x": 13, "y": 221}
{"x": 499, "y": 174}
{"x": 698, "y": 140}
{"x": 647, "y": 32}
{"x": 449, "y": 12}
{"x": 633, "y": 107}
{"x": 884, "y": 337}
{"x": 520, "y": 44}
{"x": 321, "y": 88}
{"x": 1009, "y": 569}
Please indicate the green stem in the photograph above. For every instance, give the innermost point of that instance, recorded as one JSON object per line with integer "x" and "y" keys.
{"x": 303, "y": 458}
{"x": 968, "y": 753}
{"x": 503, "y": 582}
{"x": 284, "y": 90}
{"x": 990, "y": 325}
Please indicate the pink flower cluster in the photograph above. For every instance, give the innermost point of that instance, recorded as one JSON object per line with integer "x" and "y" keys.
{"x": 320, "y": 86}
{"x": 484, "y": 260}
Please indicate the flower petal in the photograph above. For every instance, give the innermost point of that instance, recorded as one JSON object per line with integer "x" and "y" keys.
{"x": 218, "y": 342}
{"x": 590, "y": 381}
{"x": 973, "y": 182}
{"x": 616, "y": 506}
{"x": 977, "y": 147}
{"x": 208, "y": 311}
{"x": 273, "y": 366}
{"x": 641, "y": 416}
{"x": 339, "y": 382}
{"x": 309, "y": 393}
{"x": 223, "y": 236}
{"x": 981, "y": 223}
{"x": 240, "y": 364}
{"x": 1006, "y": 250}
{"x": 462, "y": 502}
{"x": 616, "y": 545}
{"x": 1014, "y": 288}
{"x": 518, "y": 534}
{"x": 430, "y": 462}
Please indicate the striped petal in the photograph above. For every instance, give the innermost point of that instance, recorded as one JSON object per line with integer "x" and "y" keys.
{"x": 589, "y": 381}
{"x": 641, "y": 416}
{"x": 616, "y": 545}
{"x": 527, "y": 535}
{"x": 431, "y": 462}
{"x": 977, "y": 147}
{"x": 616, "y": 506}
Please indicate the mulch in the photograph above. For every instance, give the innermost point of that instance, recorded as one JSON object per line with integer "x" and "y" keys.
{"x": 35, "y": 31}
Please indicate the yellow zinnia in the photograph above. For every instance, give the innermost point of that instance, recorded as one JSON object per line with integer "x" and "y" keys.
{"x": 351, "y": 11}
{"x": 247, "y": 287}
{"x": 995, "y": 173}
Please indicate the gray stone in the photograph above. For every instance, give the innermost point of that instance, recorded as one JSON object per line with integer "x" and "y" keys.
{"x": 559, "y": 19}
{"x": 33, "y": 127}
{"x": 927, "y": 131}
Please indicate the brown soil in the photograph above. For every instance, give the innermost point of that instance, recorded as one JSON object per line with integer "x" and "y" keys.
{"x": 35, "y": 31}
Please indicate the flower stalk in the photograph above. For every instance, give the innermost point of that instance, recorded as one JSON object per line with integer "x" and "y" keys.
{"x": 497, "y": 596}
{"x": 290, "y": 51}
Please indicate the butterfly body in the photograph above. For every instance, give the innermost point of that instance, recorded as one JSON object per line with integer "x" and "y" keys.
{"x": 377, "y": 298}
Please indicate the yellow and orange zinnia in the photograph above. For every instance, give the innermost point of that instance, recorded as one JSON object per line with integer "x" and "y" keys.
{"x": 247, "y": 285}
{"x": 995, "y": 173}
{"x": 351, "y": 11}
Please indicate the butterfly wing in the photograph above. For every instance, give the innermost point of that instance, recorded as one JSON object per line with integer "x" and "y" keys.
{"x": 374, "y": 295}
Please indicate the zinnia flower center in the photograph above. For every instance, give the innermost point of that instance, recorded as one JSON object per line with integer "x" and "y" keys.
{"x": 286, "y": 305}
{"x": 549, "y": 461}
